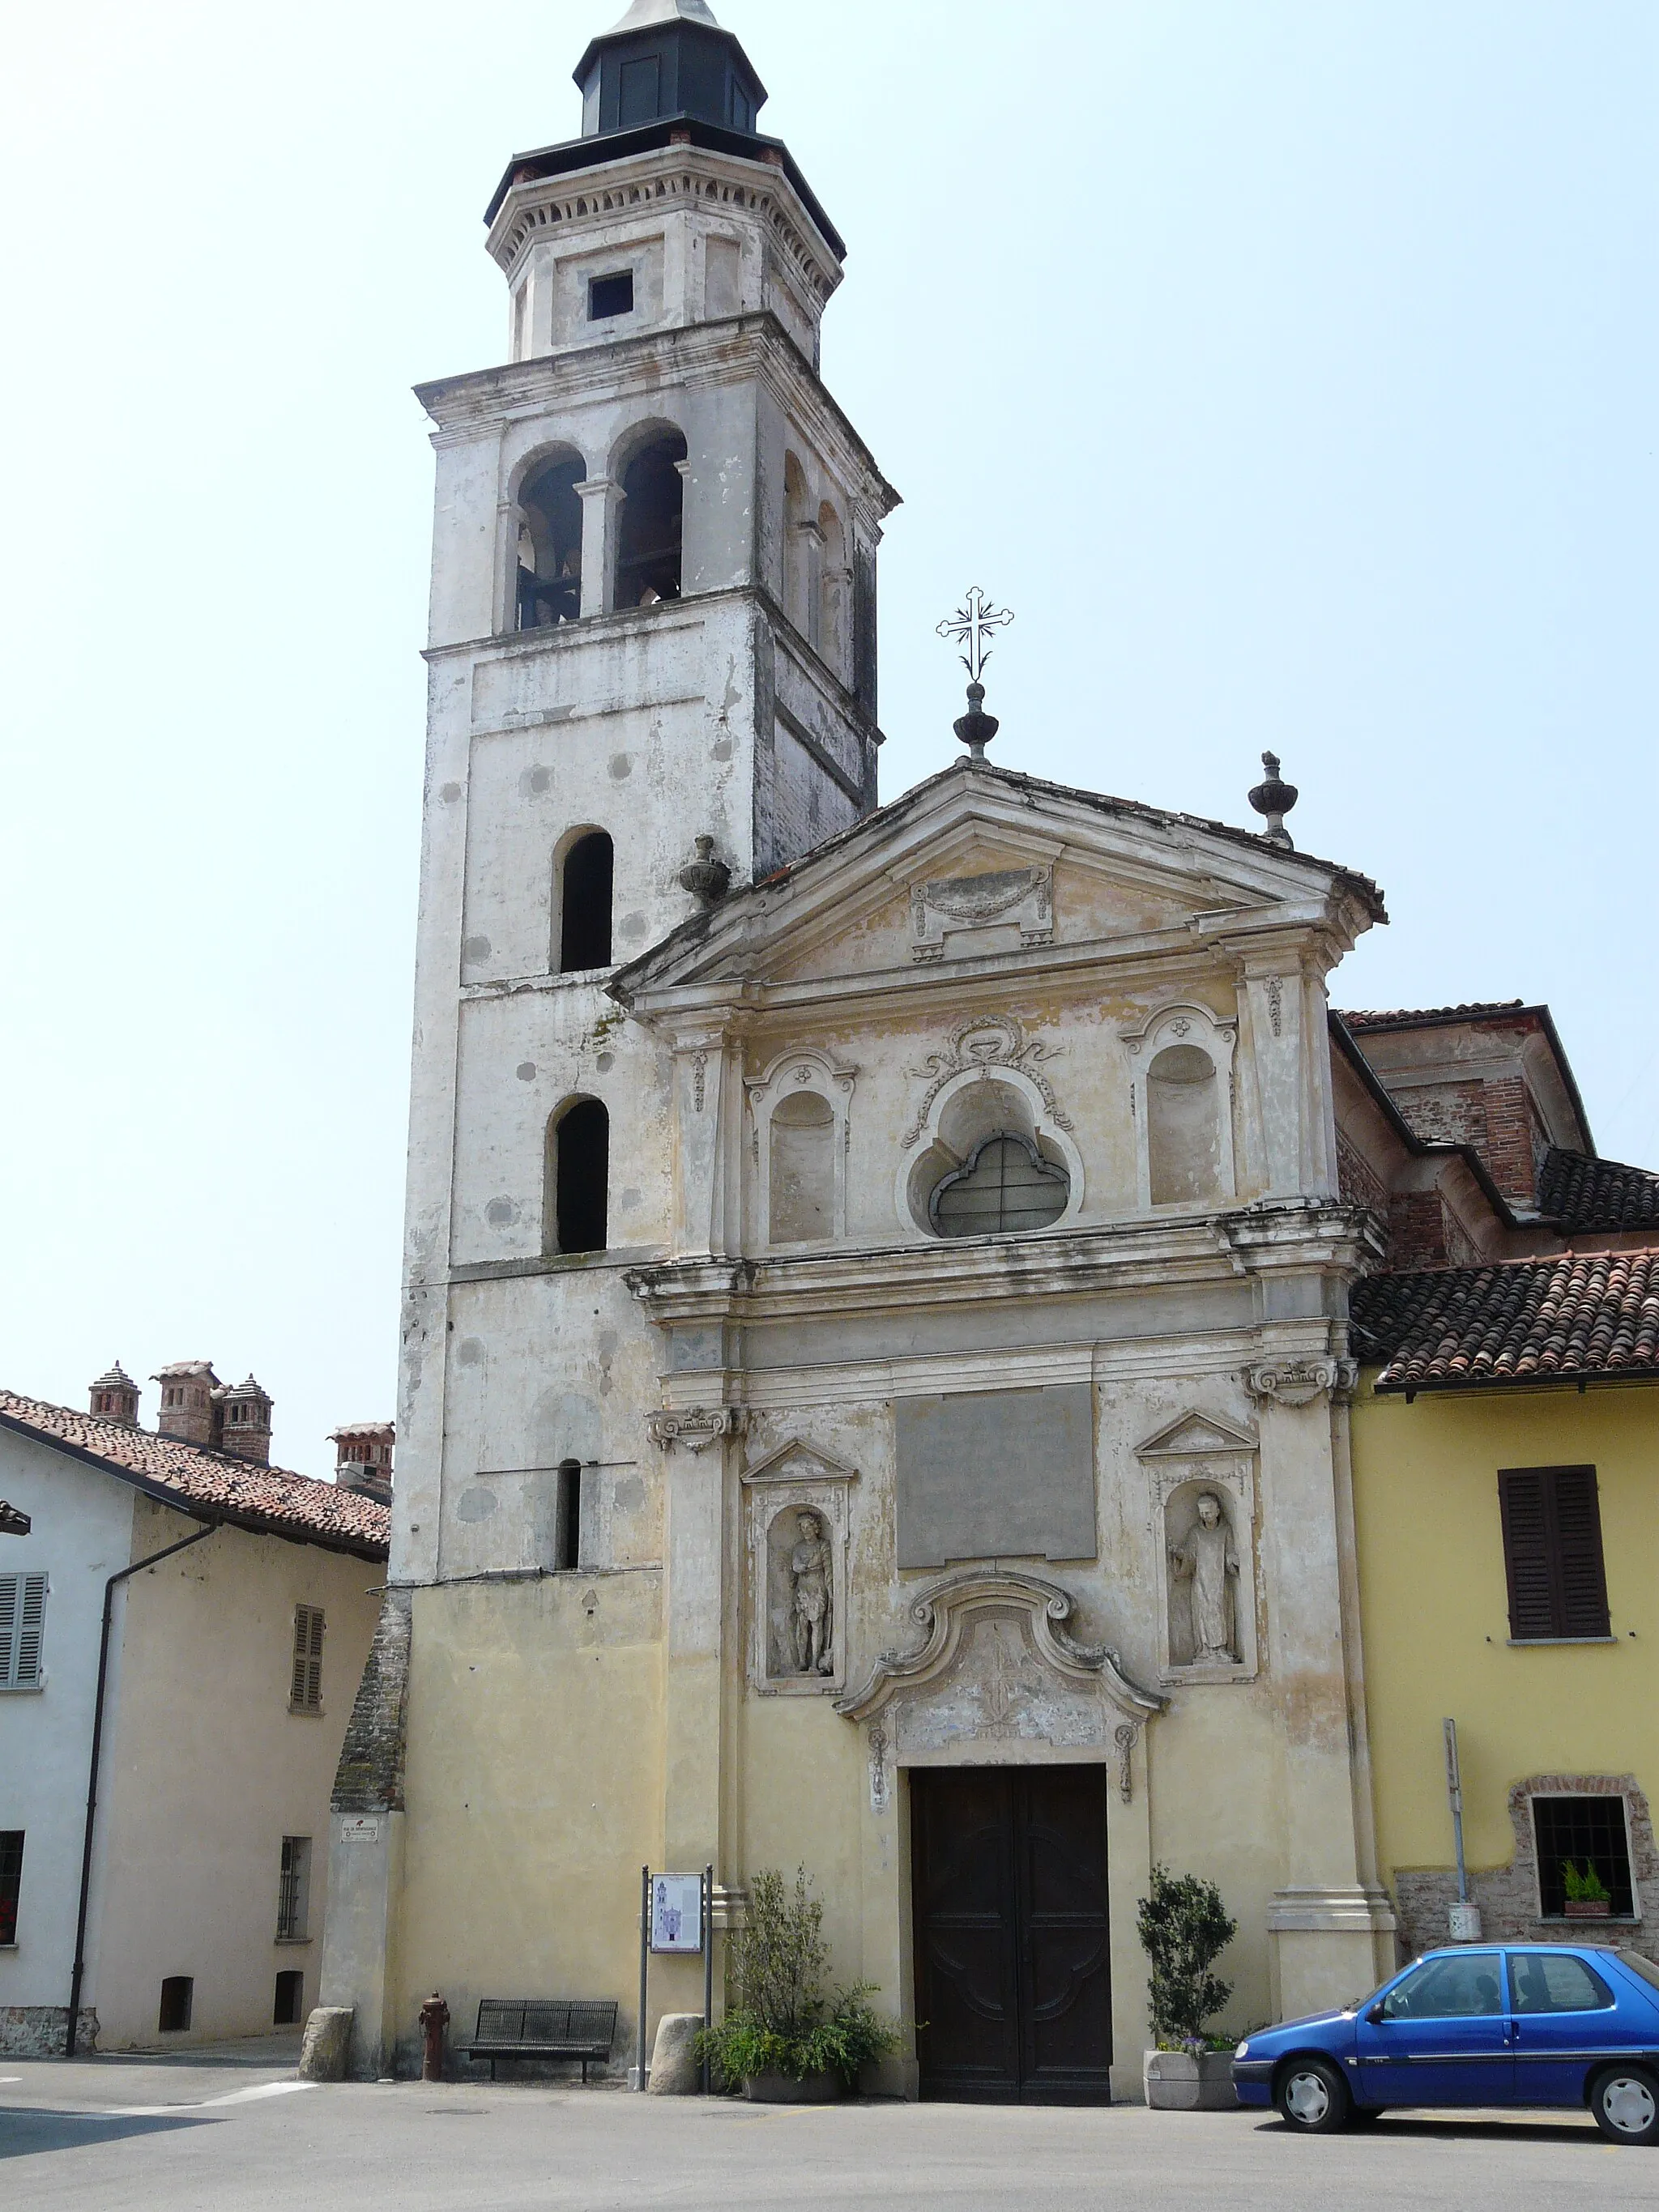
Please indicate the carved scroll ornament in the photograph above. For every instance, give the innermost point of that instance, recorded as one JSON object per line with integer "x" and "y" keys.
{"x": 1299, "y": 1382}
{"x": 695, "y": 1429}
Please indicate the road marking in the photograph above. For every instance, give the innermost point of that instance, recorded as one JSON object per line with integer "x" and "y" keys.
{"x": 203, "y": 2103}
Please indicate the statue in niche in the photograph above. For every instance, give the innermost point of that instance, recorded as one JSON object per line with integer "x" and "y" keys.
{"x": 811, "y": 1569}
{"x": 1205, "y": 1561}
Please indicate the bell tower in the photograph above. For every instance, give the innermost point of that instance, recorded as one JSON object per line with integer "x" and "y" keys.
{"x": 652, "y": 676}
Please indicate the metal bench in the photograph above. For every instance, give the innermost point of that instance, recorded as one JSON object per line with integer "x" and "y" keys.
{"x": 539, "y": 2027}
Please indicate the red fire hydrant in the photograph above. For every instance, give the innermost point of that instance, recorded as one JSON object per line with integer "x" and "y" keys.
{"x": 434, "y": 2018}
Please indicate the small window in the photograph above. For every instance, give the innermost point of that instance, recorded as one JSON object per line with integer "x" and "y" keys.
{"x": 11, "y": 1881}
{"x": 1582, "y": 1833}
{"x": 567, "y": 1537}
{"x": 22, "y": 1626}
{"x": 1554, "y": 1981}
{"x": 1468, "y": 1987}
{"x": 178, "y": 1997}
{"x": 290, "y": 1999}
{"x": 1552, "y": 1553}
{"x": 1004, "y": 1187}
{"x": 578, "y": 1177}
{"x": 294, "y": 1889}
{"x": 610, "y": 295}
{"x": 586, "y": 892}
{"x": 306, "y": 1689}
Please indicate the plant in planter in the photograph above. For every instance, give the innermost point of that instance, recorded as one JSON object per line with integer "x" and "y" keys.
{"x": 786, "y": 2038}
{"x": 1588, "y": 1897}
{"x": 1184, "y": 1927}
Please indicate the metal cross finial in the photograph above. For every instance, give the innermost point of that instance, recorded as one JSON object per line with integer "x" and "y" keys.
{"x": 969, "y": 626}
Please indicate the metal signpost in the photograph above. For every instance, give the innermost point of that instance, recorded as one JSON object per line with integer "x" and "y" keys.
{"x": 677, "y": 1915}
{"x": 1465, "y": 1919}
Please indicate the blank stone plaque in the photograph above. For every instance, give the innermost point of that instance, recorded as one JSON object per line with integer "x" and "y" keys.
{"x": 996, "y": 1474}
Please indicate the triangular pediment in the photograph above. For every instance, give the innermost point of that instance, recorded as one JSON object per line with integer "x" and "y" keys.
{"x": 1194, "y": 1436}
{"x": 796, "y": 1461}
{"x": 949, "y": 857}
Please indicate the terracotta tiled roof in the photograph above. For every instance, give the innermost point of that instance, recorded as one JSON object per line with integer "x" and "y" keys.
{"x": 1406, "y": 1017}
{"x": 1571, "y": 1317}
{"x": 1581, "y": 1193}
{"x": 268, "y": 1500}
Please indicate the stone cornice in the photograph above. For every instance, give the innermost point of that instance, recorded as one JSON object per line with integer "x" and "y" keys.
{"x": 1123, "y": 1257}
{"x": 663, "y": 181}
{"x": 682, "y": 355}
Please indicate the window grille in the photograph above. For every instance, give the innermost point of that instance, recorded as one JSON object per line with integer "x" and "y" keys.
{"x": 305, "y": 1692}
{"x": 291, "y": 1888}
{"x": 1584, "y": 1829}
{"x": 11, "y": 1881}
{"x": 22, "y": 1625}
{"x": 1552, "y": 1553}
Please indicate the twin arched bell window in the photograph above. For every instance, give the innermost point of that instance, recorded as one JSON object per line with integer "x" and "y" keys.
{"x": 647, "y": 561}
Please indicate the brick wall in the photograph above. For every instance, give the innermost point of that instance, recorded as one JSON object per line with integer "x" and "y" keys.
{"x": 1417, "y": 1230}
{"x": 369, "y": 1777}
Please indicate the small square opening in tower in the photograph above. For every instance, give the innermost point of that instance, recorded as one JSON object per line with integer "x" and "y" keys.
{"x": 609, "y": 295}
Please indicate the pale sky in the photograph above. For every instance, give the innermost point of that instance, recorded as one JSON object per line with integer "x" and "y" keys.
{"x": 1287, "y": 365}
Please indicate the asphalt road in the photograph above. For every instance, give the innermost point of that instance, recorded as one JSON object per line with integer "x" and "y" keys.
{"x": 223, "y": 2136}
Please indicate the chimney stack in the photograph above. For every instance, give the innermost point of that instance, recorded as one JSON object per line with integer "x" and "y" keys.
{"x": 364, "y": 1462}
{"x": 189, "y": 1411}
{"x": 115, "y": 1397}
{"x": 243, "y": 1411}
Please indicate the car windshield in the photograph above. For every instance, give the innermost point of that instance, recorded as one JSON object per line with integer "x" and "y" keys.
{"x": 1638, "y": 1965}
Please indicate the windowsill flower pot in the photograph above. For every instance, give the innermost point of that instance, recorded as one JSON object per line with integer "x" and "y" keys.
{"x": 1587, "y": 1908}
{"x": 1190, "y": 2080}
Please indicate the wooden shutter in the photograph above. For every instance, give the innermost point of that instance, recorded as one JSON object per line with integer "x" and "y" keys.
{"x": 1553, "y": 1552}
{"x": 22, "y": 1624}
{"x": 307, "y": 1689}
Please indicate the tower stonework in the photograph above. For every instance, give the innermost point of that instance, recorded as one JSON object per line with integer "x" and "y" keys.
{"x": 875, "y": 1366}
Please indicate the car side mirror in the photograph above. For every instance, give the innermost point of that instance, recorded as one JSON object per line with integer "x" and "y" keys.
{"x": 1375, "y": 2015}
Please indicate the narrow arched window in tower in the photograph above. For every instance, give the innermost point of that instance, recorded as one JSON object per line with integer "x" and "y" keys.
{"x": 585, "y": 895}
{"x": 578, "y": 1178}
{"x": 834, "y": 592}
{"x": 796, "y": 548}
{"x": 652, "y": 519}
{"x": 1183, "y": 1127}
{"x": 568, "y": 1510}
{"x": 550, "y": 572}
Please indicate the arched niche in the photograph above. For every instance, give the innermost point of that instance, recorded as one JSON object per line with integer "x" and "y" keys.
{"x": 1182, "y": 1092}
{"x": 799, "y": 1126}
{"x": 966, "y": 1116}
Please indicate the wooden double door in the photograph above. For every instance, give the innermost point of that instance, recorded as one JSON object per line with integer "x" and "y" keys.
{"x": 1014, "y": 1969}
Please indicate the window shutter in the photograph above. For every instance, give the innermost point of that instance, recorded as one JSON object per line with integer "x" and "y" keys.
{"x": 9, "y": 1596}
{"x": 306, "y": 1689}
{"x": 30, "y": 1629}
{"x": 1578, "y": 1539}
{"x": 1527, "y": 1554}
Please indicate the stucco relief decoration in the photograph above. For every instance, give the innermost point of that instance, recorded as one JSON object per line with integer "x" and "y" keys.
{"x": 1200, "y": 1514}
{"x": 985, "y": 1045}
{"x": 695, "y": 1431}
{"x": 997, "y": 1674}
{"x": 699, "y": 1079}
{"x": 797, "y": 1531}
{"x": 1300, "y": 1382}
{"x": 1023, "y": 898}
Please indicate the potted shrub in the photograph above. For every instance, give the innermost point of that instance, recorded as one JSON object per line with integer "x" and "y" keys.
{"x": 786, "y": 2039}
{"x": 1588, "y": 1897}
{"x": 1184, "y": 1927}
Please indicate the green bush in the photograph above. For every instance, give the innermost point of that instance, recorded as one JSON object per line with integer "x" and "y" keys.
{"x": 1184, "y": 1927}
{"x": 1585, "y": 1888}
{"x": 779, "y": 2018}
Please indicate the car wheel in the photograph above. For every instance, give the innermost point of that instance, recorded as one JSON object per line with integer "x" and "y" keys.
{"x": 1626, "y": 2102}
{"x": 1312, "y": 2097}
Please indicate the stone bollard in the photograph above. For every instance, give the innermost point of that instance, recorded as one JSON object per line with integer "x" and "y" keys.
{"x": 327, "y": 2044}
{"x": 676, "y": 2071}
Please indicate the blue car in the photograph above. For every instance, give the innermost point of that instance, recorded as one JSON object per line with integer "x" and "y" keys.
{"x": 1529, "y": 2024}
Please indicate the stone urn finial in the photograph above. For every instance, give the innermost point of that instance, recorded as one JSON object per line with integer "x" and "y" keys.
{"x": 977, "y": 728}
{"x": 707, "y": 878}
{"x": 1274, "y": 799}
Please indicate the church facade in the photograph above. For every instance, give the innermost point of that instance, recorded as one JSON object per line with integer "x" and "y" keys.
{"x": 875, "y": 1361}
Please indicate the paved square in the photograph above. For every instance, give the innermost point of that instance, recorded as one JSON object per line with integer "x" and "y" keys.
{"x": 229, "y": 2134}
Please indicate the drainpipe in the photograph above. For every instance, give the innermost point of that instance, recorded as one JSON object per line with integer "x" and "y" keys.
{"x": 137, "y": 1567}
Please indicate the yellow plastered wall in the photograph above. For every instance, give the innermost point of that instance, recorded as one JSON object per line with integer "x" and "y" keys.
{"x": 1435, "y": 1609}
